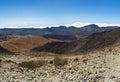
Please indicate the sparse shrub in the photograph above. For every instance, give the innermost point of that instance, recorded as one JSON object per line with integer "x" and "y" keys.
{"x": 51, "y": 62}
{"x": 59, "y": 62}
{"x": 76, "y": 59}
{"x": 112, "y": 77}
{"x": 32, "y": 64}
{"x": 110, "y": 50}
{"x": 16, "y": 53}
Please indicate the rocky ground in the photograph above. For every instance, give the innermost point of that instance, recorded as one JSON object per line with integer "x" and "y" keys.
{"x": 101, "y": 66}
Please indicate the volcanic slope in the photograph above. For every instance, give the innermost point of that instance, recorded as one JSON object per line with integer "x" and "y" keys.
{"x": 25, "y": 43}
{"x": 92, "y": 42}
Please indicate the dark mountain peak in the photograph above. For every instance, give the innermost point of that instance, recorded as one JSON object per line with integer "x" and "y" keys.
{"x": 72, "y": 27}
{"x": 62, "y": 27}
{"x": 92, "y": 26}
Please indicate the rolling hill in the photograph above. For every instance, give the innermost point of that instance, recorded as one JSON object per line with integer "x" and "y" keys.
{"x": 25, "y": 43}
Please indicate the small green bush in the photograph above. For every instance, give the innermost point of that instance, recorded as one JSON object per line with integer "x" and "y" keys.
{"x": 32, "y": 64}
{"x": 59, "y": 62}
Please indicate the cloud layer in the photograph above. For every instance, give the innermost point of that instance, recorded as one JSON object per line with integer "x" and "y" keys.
{"x": 76, "y": 24}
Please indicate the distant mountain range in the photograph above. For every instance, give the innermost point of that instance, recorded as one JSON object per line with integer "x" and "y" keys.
{"x": 61, "y": 32}
{"x": 93, "y": 41}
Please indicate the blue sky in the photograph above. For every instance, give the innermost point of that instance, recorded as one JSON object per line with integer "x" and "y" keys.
{"x": 58, "y": 12}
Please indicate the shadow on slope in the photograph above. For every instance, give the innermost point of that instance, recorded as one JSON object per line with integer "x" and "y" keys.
{"x": 94, "y": 41}
{"x": 4, "y": 51}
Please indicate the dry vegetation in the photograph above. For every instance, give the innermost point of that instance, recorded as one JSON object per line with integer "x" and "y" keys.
{"x": 59, "y": 62}
{"x": 32, "y": 64}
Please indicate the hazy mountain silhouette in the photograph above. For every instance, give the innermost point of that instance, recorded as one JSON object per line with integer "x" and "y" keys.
{"x": 61, "y": 32}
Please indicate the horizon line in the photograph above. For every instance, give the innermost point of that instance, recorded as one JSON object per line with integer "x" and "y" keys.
{"x": 75, "y": 24}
